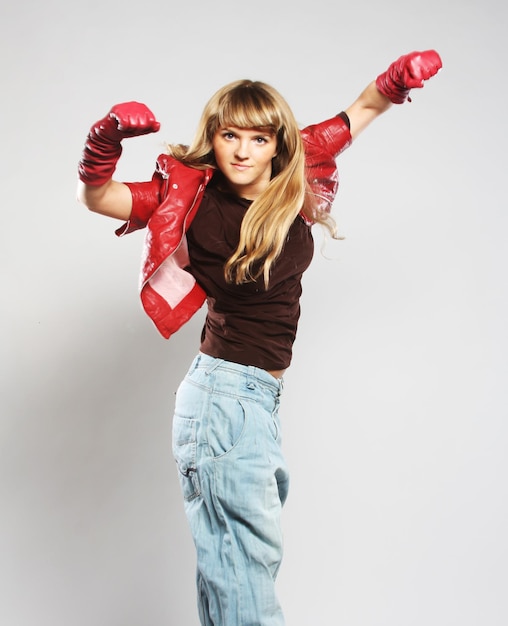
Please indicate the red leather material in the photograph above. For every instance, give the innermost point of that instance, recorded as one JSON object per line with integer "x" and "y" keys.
{"x": 167, "y": 225}
{"x": 169, "y": 320}
{"x": 167, "y": 205}
{"x": 146, "y": 197}
{"x": 408, "y": 72}
{"x": 103, "y": 148}
{"x": 323, "y": 143}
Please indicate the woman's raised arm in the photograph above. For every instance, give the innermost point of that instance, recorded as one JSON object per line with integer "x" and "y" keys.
{"x": 96, "y": 188}
{"x": 393, "y": 86}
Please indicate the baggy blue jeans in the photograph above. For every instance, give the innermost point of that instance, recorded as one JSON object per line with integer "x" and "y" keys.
{"x": 226, "y": 442}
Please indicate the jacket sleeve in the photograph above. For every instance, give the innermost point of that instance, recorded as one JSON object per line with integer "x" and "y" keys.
{"x": 323, "y": 143}
{"x": 146, "y": 197}
{"x": 330, "y": 137}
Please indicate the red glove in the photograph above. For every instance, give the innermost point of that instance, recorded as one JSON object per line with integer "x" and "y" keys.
{"x": 407, "y": 72}
{"x": 103, "y": 149}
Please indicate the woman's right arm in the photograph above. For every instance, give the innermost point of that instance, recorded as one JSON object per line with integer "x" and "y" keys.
{"x": 96, "y": 188}
{"x": 112, "y": 199}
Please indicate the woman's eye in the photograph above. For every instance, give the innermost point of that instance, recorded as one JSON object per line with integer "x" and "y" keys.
{"x": 261, "y": 140}
{"x": 228, "y": 136}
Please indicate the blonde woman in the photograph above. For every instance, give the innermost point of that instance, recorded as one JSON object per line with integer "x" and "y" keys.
{"x": 229, "y": 221}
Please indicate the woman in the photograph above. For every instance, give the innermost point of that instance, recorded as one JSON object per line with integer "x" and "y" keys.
{"x": 229, "y": 221}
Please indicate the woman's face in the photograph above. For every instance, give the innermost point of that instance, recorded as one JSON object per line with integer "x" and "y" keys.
{"x": 244, "y": 156}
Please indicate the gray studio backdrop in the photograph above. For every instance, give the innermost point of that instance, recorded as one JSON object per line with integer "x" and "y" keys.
{"x": 394, "y": 416}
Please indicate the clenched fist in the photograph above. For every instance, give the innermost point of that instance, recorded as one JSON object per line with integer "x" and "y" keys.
{"x": 103, "y": 148}
{"x": 408, "y": 72}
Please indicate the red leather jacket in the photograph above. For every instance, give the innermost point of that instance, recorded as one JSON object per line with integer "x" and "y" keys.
{"x": 167, "y": 204}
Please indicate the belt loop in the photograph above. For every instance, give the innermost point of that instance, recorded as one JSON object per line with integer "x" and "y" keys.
{"x": 251, "y": 377}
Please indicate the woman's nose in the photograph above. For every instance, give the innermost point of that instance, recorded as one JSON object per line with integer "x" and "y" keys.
{"x": 242, "y": 150}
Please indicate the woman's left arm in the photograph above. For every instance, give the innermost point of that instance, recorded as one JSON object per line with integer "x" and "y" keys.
{"x": 392, "y": 87}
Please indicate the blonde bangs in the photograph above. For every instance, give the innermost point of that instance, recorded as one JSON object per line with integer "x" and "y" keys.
{"x": 248, "y": 105}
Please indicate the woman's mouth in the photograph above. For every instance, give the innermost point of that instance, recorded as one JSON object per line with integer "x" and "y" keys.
{"x": 240, "y": 167}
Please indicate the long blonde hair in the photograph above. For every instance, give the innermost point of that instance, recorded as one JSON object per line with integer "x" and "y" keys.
{"x": 264, "y": 229}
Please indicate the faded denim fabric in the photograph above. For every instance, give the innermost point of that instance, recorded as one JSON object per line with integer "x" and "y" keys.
{"x": 226, "y": 442}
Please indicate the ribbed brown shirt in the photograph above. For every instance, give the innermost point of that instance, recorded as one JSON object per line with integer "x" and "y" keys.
{"x": 246, "y": 323}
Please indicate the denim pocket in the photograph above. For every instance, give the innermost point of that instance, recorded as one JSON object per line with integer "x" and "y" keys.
{"x": 275, "y": 427}
{"x": 226, "y": 425}
{"x": 184, "y": 451}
